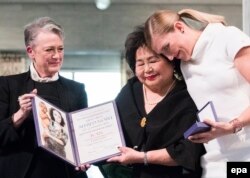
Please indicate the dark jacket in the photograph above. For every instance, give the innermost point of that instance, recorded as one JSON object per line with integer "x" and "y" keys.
{"x": 164, "y": 128}
{"x": 19, "y": 153}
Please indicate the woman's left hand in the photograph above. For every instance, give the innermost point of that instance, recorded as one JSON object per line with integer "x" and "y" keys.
{"x": 218, "y": 129}
{"x": 128, "y": 156}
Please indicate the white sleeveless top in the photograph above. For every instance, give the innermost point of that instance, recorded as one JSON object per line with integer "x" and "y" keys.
{"x": 211, "y": 76}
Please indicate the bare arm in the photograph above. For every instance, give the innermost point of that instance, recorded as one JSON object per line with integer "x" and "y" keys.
{"x": 160, "y": 157}
{"x": 242, "y": 63}
{"x": 131, "y": 156}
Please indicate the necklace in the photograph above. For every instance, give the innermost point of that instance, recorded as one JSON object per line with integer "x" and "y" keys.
{"x": 154, "y": 103}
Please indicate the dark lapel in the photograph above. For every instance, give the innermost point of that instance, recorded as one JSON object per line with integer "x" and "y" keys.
{"x": 30, "y": 83}
{"x": 63, "y": 94}
{"x": 130, "y": 113}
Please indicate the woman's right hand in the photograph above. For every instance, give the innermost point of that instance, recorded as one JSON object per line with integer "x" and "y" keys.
{"x": 83, "y": 167}
{"x": 218, "y": 129}
{"x": 25, "y": 108}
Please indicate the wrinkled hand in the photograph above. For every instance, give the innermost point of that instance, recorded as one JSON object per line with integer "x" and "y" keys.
{"x": 128, "y": 156}
{"x": 25, "y": 107}
{"x": 218, "y": 129}
{"x": 83, "y": 167}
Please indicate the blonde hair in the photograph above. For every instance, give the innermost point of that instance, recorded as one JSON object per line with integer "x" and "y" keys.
{"x": 162, "y": 21}
{"x": 201, "y": 16}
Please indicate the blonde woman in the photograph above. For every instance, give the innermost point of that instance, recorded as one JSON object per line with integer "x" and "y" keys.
{"x": 215, "y": 62}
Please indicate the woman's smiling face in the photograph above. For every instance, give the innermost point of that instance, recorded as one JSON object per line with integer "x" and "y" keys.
{"x": 151, "y": 69}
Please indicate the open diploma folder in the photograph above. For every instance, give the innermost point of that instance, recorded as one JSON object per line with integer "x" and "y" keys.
{"x": 206, "y": 112}
{"x": 89, "y": 135}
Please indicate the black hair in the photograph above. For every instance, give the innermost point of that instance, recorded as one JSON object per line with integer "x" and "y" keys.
{"x": 134, "y": 41}
{"x": 62, "y": 123}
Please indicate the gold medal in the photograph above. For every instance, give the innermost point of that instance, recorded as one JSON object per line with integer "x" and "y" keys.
{"x": 143, "y": 122}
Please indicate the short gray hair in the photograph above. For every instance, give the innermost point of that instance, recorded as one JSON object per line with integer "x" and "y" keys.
{"x": 43, "y": 23}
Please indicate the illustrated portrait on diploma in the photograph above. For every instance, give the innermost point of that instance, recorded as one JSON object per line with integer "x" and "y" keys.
{"x": 54, "y": 130}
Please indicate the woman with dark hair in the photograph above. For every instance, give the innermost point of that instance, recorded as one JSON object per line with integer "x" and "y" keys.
{"x": 155, "y": 110}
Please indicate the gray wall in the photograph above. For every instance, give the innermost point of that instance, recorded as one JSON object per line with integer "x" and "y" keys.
{"x": 92, "y": 31}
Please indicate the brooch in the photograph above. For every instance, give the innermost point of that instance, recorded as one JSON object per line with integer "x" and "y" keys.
{"x": 143, "y": 122}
